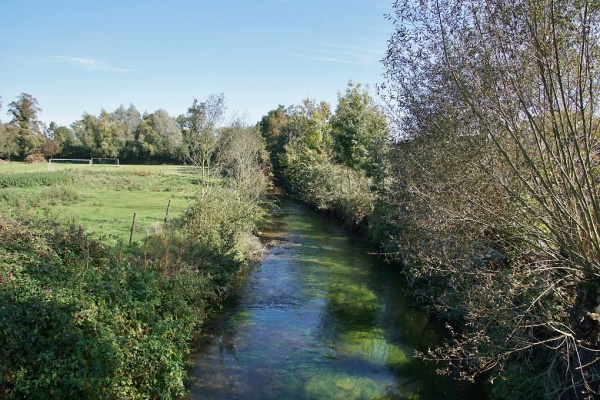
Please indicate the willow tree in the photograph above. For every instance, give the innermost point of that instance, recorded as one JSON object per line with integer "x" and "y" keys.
{"x": 200, "y": 131}
{"x": 506, "y": 96}
{"x": 244, "y": 159}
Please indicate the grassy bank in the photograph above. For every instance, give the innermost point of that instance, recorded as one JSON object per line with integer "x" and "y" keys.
{"x": 84, "y": 316}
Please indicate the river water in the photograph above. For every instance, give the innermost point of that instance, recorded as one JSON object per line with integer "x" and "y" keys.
{"x": 319, "y": 318}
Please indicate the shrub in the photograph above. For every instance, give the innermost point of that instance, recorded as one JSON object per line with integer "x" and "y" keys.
{"x": 34, "y": 179}
{"x": 61, "y": 195}
{"x": 35, "y": 158}
{"x": 77, "y": 321}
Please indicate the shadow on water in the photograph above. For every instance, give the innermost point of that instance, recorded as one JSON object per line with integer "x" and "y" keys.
{"x": 320, "y": 318}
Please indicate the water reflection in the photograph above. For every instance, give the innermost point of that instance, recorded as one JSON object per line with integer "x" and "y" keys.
{"x": 319, "y": 318}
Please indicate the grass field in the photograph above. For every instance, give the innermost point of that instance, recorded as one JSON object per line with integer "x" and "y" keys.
{"x": 102, "y": 198}
{"x": 19, "y": 167}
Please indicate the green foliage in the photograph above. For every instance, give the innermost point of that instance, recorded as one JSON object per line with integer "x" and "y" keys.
{"x": 223, "y": 220}
{"x": 57, "y": 195}
{"x": 25, "y": 122}
{"x": 79, "y": 319}
{"x": 244, "y": 160}
{"x": 78, "y": 323}
{"x": 328, "y": 186}
{"x": 200, "y": 133}
{"x": 493, "y": 195}
{"x": 270, "y": 127}
{"x": 34, "y": 179}
{"x": 8, "y": 142}
{"x": 310, "y": 157}
{"x": 359, "y": 131}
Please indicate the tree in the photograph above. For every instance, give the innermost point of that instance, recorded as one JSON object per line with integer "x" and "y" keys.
{"x": 244, "y": 158}
{"x": 169, "y": 139}
{"x": 24, "y": 113}
{"x": 306, "y": 124}
{"x": 98, "y": 135}
{"x": 270, "y": 127}
{"x": 146, "y": 141}
{"x": 512, "y": 229}
{"x": 200, "y": 133}
{"x": 359, "y": 130}
{"x": 8, "y": 141}
{"x": 50, "y": 148}
{"x": 125, "y": 121}
{"x": 64, "y": 139}
{"x": 303, "y": 147}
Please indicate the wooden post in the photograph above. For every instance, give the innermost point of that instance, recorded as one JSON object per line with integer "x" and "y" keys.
{"x": 132, "y": 229}
{"x": 167, "y": 213}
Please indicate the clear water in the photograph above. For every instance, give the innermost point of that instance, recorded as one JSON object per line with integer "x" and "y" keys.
{"x": 320, "y": 318}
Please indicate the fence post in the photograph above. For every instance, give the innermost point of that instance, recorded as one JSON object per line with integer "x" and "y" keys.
{"x": 167, "y": 213}
{"x": 132, "y": 229}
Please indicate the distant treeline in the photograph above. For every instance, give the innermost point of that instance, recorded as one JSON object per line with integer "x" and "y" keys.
{"x": 125, "y": 133}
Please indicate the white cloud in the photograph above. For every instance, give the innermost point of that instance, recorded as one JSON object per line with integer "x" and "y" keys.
{"x": 345, "y": 54}
{"x": 91, "y": 64}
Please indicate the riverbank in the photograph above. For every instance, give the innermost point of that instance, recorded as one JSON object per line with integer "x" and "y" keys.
{"x": 83, "y": 318}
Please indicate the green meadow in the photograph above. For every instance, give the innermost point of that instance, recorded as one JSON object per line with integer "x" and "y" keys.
{"x": 101, "y": 198}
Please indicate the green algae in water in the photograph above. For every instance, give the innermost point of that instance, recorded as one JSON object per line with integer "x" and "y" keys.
{"x": 321, "y": 319}
{"x": 341, "y": 386}
{"x": 376, "y": 350}
{"x": 353, "y": 298}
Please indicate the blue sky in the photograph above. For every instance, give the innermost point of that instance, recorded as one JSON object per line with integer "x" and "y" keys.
{"x": 81, "y": 56}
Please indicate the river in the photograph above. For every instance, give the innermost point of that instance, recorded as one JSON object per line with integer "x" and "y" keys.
{"x": 319, "y": 318}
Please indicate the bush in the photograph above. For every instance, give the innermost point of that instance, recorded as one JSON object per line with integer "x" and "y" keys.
{"x": 77, "y": 320}
{"x": 35, "y": 158}
{"x": 77, "y": 323}
{"x": 314, "y": 179}
{"x": 61, "y": 195}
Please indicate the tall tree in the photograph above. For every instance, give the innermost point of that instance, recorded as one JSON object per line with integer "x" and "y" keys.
{"x": 270, "y": 127}
{"x": 25, "y": 120}
{"x": 125, "y": 121}
{"x": 98, "y": 135}
{"x": 359, "y": 130}
{"x": 200, "y": 131}
{"x": 63, "y": 136}
{"x": 169, "y": 138}
{"x": 244, "y": 158}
